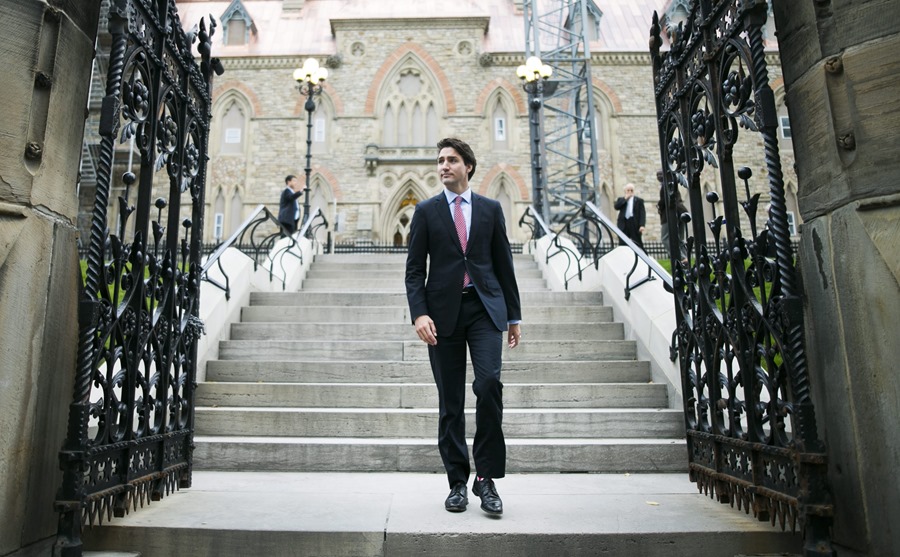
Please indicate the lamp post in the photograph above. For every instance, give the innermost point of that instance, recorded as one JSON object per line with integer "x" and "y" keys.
{"x": 309, "y": 80}
{"x": 533, "y": 74}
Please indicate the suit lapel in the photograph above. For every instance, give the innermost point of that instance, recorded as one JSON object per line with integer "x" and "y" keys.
{"x": 443, "y": 215}
{"x": 477, "y": 219}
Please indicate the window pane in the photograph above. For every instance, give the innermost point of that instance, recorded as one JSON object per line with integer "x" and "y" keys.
{"x": 390, "y": 129}
{"x": 418, "y": 126}
{"x": 431, "y": 125}
{"x": 785, "y": 127}
{"x": 500, "y": 129}
{"x": 237, "y": 32}
{"x": 319, "y": 129}
{"x": 403, "y": 126}
{"x": 233, "y": 135}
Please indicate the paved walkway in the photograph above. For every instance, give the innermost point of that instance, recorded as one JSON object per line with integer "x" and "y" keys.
{"x": 402, "y": 514}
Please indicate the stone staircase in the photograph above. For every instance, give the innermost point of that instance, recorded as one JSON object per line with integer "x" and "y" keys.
{"x": 316, "y": 436}
{"x": 333, "y": 378}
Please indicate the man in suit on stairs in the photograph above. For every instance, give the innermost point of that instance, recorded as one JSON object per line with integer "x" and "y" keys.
{"x": 469, "y": 298}
{"x": 288, "y": 206}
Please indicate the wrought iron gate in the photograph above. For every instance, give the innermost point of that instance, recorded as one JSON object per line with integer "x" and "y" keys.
{"x": 130, "y": 431}
{"x": 751, "y": 429}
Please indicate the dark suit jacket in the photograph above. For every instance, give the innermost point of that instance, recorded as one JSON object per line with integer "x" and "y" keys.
{"x": 638, "y": 212}
{"x": 432, "y": 237}
{"x": 287, "y": 208}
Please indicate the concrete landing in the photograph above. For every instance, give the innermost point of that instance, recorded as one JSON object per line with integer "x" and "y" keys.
{"x": 235, "y": 514}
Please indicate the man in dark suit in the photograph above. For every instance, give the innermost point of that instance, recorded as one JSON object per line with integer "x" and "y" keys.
{"x": 632, "y": 215}
{"x": 288, "y": 206}
{"x": 469, "y": 298}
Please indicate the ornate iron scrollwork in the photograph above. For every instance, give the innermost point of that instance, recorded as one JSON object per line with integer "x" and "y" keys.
{"x": 130, "y": 430}
{"x": 750, "y": 422}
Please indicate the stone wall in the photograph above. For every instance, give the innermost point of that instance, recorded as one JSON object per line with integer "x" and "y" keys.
{"x": 841, "y": 75}
{"x": 45, "y": 53}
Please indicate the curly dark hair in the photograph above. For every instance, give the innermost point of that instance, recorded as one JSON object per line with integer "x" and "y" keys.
{"x": 461, "y": 147}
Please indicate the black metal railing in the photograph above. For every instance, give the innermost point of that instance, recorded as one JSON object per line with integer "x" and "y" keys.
{"x": 131, "y": 420}
{"x": 248, "y": 240}
{"x": 751, "y": 428}
{"x": 584, "y": 237}
{"x": 259, "y": 243}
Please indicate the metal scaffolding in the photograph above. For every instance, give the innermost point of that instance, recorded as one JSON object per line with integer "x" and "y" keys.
{"x": 558, "y": 32}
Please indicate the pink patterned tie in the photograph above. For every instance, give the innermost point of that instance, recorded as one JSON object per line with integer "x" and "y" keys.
{"x": 461, "y": 230}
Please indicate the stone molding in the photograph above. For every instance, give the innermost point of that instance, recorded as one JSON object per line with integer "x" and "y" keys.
{"x": 480, "y": 23}
{"x": 497, "y": 59}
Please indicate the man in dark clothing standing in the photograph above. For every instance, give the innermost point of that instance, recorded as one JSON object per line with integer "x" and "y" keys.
{"x": 288, "y": 206}
{"x": 632, "y": 215}
{"x": 469, "y": 298}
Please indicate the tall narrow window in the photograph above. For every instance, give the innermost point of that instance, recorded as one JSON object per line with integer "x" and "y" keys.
{"x": 418, "y": 126}
{"x": 319, "y": 129}
{"x": 499, "y": 124}
{"x": 219, "y": 217}
{"x": 403, "y": 126}
{"x": 237, "y": 211}
{"x": 792, "y": 223}
{"x": 500, "y": 128}
{"x": 784, "y": 123}
{"x": 431, "y": 125}
{"x": 237, "y": 32}
{"x": 233, "y": 122}
{"x": 219, "y": 226}
{"x": 390, "y": 129}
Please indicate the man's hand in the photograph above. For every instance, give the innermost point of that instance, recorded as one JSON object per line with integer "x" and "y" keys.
{"x": 515, "y": 333}
{"x": 641, "y": 230}
{"x": 425, "y": 329}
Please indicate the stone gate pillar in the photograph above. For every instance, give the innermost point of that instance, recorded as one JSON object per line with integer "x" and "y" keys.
{"x": 46, "y": 48}
{"x": 842, "y": 79}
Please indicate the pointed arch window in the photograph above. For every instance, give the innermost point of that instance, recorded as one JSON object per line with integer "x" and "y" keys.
{"x": 411, "y": 109}
{"x": 237, "y": 24}
{"x": 236, "y": 210}
{"x": 322, "y": 122}
{"x": 234, "y": 127}
{"x": 501, "y": 126}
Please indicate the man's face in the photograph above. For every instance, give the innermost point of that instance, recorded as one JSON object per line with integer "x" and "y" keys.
{"x": 294, "y": 183}
{"x": 629, "y": 191}
{"x": 452, "y": 170}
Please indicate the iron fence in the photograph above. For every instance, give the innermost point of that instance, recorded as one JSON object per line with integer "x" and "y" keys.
{"x": 751, "y": 430}
{"x": 130, "y": 430}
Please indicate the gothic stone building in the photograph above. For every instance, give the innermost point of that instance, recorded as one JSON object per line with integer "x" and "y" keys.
{"x": 402, "y": 75}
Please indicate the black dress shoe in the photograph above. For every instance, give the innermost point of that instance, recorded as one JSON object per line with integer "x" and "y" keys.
{"x": 490, "y": 500}
{"x": 456, "y": 502}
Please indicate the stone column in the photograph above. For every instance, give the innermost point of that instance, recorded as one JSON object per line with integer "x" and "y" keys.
{"x": 842, "y": 77}
{"x": 45, "y": 56}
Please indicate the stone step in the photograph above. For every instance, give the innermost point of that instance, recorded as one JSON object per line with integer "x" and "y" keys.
{"x": 394, "y": 314}
{"x": 420, "y": 422}
{"x": 398, "y": 299}
{"x": 523, "y": 371}
{"x": 345, "y": 271}
{"x": 342, "y": 454}
{"x": 389, "y": 285}
{"x": 310, "y": 350}
{"x": 424, "y": 395}
{"x": 231, "y": 514}
{"x": 363, "y": 259}
{"x": 405, "y": 331}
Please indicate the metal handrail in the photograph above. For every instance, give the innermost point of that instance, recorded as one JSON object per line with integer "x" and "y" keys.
{"x": 639, "y": 254}
{"x": 588, "y": 212}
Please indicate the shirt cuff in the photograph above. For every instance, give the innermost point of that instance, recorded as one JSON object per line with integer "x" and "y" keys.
{"x": 514, "y": 322}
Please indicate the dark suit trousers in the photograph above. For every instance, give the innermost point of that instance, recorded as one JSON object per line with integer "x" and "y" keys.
{"x": 633, "y": 231}
{"x": 448, "y": 363}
